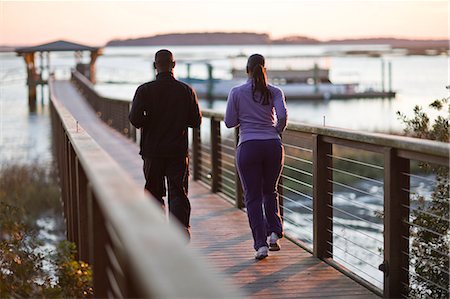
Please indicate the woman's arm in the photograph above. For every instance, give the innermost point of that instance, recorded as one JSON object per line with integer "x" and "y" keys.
{"x": 231, "y": 114}
{"x": 281, "y": 110}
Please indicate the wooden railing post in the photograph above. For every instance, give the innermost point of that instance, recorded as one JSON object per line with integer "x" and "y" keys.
{"x": 66, "y": 189}
{"x": 196, "y": 153}
{"x": 280, "y": 192}
{"x": 73, "y": 195}
{"x": 215, "y": 155}
{"x": 83, "y": 228}
{"x": 132, "y": 129}
{"x": 97, "y": 243}
{"x": 239, "y": 194}
{"x": 323, "y": 200}
{"x": 396, "y": 199}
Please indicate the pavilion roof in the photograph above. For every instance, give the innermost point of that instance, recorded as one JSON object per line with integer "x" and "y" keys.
{"x": 60, "y": 45}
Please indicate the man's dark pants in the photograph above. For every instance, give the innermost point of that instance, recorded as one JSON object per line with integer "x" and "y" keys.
{"x": 176, "y": 170}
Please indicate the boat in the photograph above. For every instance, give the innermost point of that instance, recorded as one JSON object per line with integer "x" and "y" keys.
{"x": 309, "y": 84}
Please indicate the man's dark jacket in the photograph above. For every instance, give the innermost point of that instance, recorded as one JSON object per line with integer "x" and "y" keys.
{"x": 164, "y": 109}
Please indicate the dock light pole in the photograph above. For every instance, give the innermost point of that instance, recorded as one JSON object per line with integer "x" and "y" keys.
{"x": 382, "y": 75}
{"x": 316, "y": 78}
{"x": 390, "y": 76}
{"x": 188, "y": 72}
{"x": 209, "y": 91}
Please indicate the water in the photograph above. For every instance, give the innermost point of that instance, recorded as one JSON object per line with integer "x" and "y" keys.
{"x": 418, "y": 80}
{"x": 26, "y": 137}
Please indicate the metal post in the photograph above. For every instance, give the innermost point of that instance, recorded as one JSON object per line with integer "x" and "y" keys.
{"x": 323, "y": 200}
{"x": 382, "y": 75}
{"x": 196, "y": 153}
{"x": 215, "y": 155}
{"x": 396, "y": 232}
{"x": 188, "y": 70}
{"x": 390, "y": 76}
{"x": 316, "y": 78}
{"x": 209, "y": 92}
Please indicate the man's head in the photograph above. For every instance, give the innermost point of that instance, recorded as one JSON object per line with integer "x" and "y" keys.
{"x": 164, "y": 61}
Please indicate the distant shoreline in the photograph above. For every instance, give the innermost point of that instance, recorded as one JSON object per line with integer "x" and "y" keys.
{"x": 408, "y": 46}
{"x": 247, "y": 38}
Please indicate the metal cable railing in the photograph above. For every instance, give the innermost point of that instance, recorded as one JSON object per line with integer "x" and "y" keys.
{"x": 428, "y": 236}
{"x": 113, "y": 112}
{"x": 343, "y": 196}
{"x": 344, "y": 192}
{"x": 112, "y": 232}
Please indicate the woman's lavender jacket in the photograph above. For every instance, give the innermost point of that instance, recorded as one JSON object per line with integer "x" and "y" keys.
{"x": 256, "y": 121}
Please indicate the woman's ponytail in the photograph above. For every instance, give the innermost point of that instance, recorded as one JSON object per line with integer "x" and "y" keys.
{"x": 255, "y": 64}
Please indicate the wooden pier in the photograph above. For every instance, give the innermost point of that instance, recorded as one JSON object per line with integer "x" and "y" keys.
{"x": 135, "y": 253}
{"x": 220, "y": 232}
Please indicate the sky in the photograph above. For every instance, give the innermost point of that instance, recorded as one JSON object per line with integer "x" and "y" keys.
{"x": 97, "y": 22}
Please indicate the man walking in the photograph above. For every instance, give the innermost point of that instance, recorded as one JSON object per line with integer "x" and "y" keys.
{"x": 164, "y": 109}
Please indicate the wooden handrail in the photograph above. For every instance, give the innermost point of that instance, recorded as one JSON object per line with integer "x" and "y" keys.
{"x": 422, "y": 146}
{"x": 122, "y": 232}
{"x": 396, "y": 153}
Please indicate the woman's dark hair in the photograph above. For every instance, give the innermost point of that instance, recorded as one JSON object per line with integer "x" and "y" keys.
{"x": 255, "y": 66}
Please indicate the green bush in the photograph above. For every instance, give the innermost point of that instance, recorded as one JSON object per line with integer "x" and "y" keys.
{"x": 29, "y": 193}
{"x": 430, "y": 244}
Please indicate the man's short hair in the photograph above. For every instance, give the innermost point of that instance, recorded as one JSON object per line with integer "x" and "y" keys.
{"x": 163, "y": 57}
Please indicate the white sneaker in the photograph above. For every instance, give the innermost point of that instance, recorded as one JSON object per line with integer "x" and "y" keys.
{"x": 262, "y": 253}
{"x": 274, "y": 242}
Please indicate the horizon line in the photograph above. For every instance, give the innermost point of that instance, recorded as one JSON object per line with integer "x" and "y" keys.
{"x": 418, "y": 38}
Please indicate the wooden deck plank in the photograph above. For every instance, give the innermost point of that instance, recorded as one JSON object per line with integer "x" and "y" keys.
{"x": 221, "y": 232}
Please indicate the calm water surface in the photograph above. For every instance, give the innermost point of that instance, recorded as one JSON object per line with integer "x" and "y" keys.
{"x": 26, "y": 137}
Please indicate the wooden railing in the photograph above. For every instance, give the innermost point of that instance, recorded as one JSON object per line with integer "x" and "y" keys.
{"x": 113, "y": 112}
{"x": 321, "y": 163}
{"x": 119, "y": 229}
{"x": 331, "y": 179}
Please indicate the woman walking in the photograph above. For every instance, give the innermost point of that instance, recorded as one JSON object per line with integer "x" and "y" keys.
{"x": 259, "y": 109}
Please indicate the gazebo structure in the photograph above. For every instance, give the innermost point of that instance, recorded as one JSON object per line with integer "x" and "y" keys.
{"x": 35, "y": 72}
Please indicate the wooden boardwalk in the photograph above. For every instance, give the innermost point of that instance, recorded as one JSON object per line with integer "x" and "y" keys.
{"x": 220, "y": 232}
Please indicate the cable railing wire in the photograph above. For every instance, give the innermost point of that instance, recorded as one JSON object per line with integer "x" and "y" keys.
{"x": 373, "y": 225}
{"x": 352, "y": 255}
{"x": 296, "y": 192}
{"x": 419, "y": 177}
{"x": 424, "y": 228}
{"x": 354, "y": 202}
{"x": 296, "y": 203}
{"x": 428, "y": 245}
{"x": 298, "y": 170}
{"x": 359, "y": 245}
{"x": 427, "y": 213}
{"x": 425, "y": 279}
{"x": 298, "y": 147}
{"x": 356, "y": 175}
{"x": 223, "y": 169}
{"x": 296, "y": 181}
{"x": 296, "y": 213}
{"x": 227, "y": 179}
{"x": 347, "y": 264}
{"x": 433, "y": 265}
{"x": 356, "y": 189}
{"x": 228, "y": 147}
{"x": 356, "y": 162}
{"x": 355, "y": 230}
{"x": 298, "y": 159}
